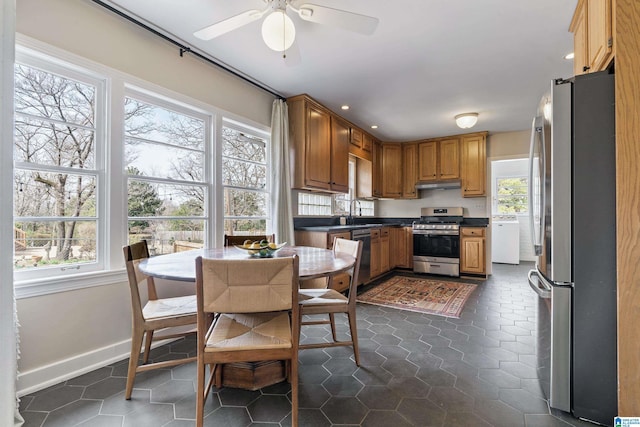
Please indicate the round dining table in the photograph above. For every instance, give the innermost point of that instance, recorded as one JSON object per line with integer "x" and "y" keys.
{"x": 312, "y": 262}
{"x": 181, "y": 266}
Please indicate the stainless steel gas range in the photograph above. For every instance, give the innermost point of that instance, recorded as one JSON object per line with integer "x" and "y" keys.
{"x": 436, "y": 241}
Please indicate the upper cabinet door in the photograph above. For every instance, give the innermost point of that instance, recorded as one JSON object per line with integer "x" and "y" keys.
{"x": 449, "y": 158}
{"x": 600, "y": 37}
{"x": 318, "y": 148}
{"x": 339, "y": 155}
{"x": 474, "y": 165}
{"x": 428, "y": 161}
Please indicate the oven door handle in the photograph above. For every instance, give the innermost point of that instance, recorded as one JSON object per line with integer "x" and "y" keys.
{"x": 545, "y": 291}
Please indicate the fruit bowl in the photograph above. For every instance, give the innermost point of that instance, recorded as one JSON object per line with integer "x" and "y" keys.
{"x": 262, "y": 250}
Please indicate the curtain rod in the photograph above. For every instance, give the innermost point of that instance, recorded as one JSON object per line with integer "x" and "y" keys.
{"x": 187, "y": 49}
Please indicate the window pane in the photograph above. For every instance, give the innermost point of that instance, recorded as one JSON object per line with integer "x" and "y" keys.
{"x": 241, "y": 203}
{"x": 54, "y": 244}
{"x": 168, "y": 236}
{"x": 42, "y": 94}
{"x": 148, "y": 199}
{"x": 54, "y": 144}
{"x": 166, "y": 162}
{"x": 512, "y": 195}
{"x": 245, "y": 226}
{"x": 243, "y": 174}
{"x": 242, "y": 146}
{"x": 53, "y": 194}
{"x": 158, "y": 124}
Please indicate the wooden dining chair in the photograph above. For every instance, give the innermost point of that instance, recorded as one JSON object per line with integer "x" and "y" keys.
{"x": 238, "y": 239}
{"x": 247, "y": 312}
{"x": 156, "y": 313}
{"x": 329, "y": 301}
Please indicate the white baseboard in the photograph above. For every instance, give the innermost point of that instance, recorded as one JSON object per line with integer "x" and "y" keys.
{"x": 54, "y": 373}
{"x": 63, "y": 370}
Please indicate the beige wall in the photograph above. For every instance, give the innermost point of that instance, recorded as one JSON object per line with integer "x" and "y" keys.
{"x": 68, "y": 333}
{"x": 509, "y": 144}
{"x": 86, "y": 29}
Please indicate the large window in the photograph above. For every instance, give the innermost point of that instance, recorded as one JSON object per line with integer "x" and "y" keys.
{"x": 165, "y": 163}
{"x": 244, "y": 178}
{"x": 103, "y": 159}
{"x": 59, "y": 135}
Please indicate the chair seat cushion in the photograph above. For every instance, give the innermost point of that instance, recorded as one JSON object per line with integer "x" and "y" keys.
{"x": 321, "y": 296}
{"x": 170, "y": 307}
{"x": 250, "y": 332}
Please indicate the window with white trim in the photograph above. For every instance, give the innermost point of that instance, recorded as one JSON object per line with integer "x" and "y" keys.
{"x": 58, "y": 162}
{"x": 245, "y": 179}
{"x": 165, "y": 155}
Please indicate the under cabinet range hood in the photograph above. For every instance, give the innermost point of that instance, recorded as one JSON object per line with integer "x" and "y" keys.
{"x": 454, "y": 183}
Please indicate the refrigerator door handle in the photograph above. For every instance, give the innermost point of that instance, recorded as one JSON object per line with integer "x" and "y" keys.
{"x": 545, "y": 291}
{"x": 537, "y": 193}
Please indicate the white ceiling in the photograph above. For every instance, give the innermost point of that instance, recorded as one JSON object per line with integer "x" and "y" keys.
{"x": 427, "y": 61}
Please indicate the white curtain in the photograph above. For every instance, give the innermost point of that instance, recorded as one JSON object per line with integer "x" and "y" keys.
{"x": 9, "y": 414}
{"x": 281, "y": 214}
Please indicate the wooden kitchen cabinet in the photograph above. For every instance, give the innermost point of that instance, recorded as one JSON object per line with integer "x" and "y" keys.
{"x": 439, "y": 159}
{"x": 474, "y": 164}
{"x": 592, "y": 26}
{"x": 473, "y": 250}
{"x": 409, "y": 170}
{"x": 401, "y": 247}
{"x": 392, "y": 170}
{"x": 367, "y": 142}
{"x": 339, "y": 155}
{"x": 380, "y": 251}
{"x": 356, "y": 137}
{"x": 385, "y": 265}
{"x": 364, "y": 178}
{"x": 377, "y": 169}
{"x": 319, "y": 147}
{"x": 375, "y": 267}
{"x": 321, "y": 239}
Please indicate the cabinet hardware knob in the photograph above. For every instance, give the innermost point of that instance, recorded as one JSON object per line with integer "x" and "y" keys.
{"x": 586, "y": 68}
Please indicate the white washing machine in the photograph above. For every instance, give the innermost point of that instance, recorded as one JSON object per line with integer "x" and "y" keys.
{"x": 505, "y": 241}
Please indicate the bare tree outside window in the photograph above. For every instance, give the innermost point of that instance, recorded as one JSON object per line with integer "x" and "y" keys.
{"x": 55, "y": 177}
{"x": 244, "y": 177}
{"x": 167, "y": 191}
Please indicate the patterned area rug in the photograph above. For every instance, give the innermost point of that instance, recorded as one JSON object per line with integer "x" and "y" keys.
{"x": 430, "y": 296}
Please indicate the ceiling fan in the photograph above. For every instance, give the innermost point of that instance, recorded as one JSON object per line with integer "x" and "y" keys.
{"x": 278, "y": 30}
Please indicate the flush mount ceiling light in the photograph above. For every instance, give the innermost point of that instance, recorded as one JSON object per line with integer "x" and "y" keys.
{"x": 466, "y": 120}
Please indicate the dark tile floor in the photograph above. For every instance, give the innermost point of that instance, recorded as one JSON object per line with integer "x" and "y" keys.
{"x": 417, "y": 370}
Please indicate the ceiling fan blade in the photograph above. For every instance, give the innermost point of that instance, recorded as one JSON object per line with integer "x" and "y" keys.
{"x": 338, "y": 18}
{"x": 229, "y": 24}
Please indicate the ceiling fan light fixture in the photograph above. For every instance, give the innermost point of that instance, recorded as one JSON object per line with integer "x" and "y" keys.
{"x": 278, "y": 31}
{"x": 466, "y": 120}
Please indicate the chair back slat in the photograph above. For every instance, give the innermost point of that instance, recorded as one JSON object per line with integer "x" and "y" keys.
{"x": 246, "y": 286}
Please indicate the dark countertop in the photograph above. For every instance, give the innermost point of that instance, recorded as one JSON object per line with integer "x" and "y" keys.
{"x": 331, "y": 228}
{"x": 316, "y": 224}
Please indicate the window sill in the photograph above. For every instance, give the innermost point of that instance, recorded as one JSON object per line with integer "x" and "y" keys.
{"x": 46, "y": 286}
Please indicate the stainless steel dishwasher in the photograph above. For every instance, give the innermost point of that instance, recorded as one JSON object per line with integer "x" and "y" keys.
{"x": 365, "y": 263}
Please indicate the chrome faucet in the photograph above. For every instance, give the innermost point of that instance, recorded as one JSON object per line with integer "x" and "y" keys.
{"x": 351, "y": 205}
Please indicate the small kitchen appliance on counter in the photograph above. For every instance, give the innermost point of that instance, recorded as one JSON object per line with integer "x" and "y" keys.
{"x": 436, "y": 241}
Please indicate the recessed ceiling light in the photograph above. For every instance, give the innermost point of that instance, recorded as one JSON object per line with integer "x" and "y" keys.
{"x": 374, "y": 126}
{"x": 569, "y": 55}
{"x": 345, "y": 107}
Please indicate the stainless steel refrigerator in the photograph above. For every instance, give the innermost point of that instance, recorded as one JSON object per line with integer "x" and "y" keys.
{"x": 573, "y": 226}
